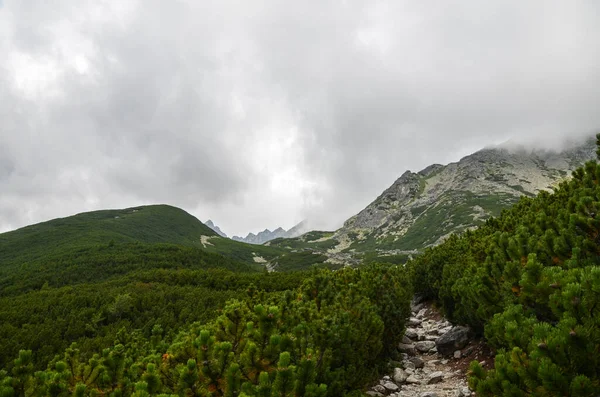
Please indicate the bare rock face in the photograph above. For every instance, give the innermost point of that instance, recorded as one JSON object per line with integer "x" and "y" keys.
{"x": 438, "y": 197}
{"x": 453, "y": 340}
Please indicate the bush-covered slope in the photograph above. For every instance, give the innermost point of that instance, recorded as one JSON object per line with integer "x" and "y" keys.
{"x": 88, "y": 277}
{"x": 93, "y": 264}
{"x": 326, "y": 338}
{"x": 93, "y": 313}
{"x": 530, "y": 281}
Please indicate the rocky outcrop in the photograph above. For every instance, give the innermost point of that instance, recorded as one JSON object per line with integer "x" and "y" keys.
{"x": 422, "y": 209}
{"x": 215, "y": 228}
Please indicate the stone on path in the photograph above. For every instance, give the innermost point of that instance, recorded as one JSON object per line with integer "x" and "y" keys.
{"x": 425, "y": 346}
{"x": 435, "y": 377}
{"x": 391, "y": 386}
{"x": 417, "y": 361}
{"x": 453, "y": 340}
{"x": 399, "y": 375}
{"x": 413, "y": 379}
{"x": 408, "y": 349}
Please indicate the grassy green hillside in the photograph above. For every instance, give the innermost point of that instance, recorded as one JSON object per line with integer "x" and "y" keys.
{"x": 146, "y": 224}
{"x": 53, "y": 240}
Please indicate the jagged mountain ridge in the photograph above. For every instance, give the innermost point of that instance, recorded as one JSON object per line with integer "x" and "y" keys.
{"x": 422, "y": 209}
{"x": 267, "y": 235}
{"x": 215, "y": 228}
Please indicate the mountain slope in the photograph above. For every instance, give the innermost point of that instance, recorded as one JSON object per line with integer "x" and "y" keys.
{"x": 66, "y": 237}
{"x": 145, "y": 224}
{"x": 422, "y": 209}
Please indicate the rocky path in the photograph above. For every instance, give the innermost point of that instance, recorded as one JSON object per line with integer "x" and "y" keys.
{"x": 434, "y": 358}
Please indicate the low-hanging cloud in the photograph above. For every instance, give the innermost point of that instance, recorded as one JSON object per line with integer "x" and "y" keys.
{"x": 259, "y": 114}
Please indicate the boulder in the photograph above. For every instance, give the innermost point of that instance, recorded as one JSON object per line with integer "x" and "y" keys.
{"x": 391, "y": 386}
{"x": 413, "y": 379}
{"x": 411, "y": 333}
{"x": 408, "y": 349}
{"x": 435, "y": 377}
{"x": 453, "y": 340}
{"x": 425, "y": 346}
{"x": 417, "y": 362}
{"x": 399, "y": 375}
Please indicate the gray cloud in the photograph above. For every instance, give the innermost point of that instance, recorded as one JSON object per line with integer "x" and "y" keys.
{"x": 260, "y": 114}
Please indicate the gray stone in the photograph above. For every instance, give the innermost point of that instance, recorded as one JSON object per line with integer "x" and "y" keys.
{"x": 408, "y": 349}
{"x": 467, "y": 351}
{"x": 455, "y": 339}
{"x": 413, "y": 379}
{"x": 399, "y": 375}
{"x": 416, "y": 308}
{"x": 457, "y": 354}
{"x": 428, "y": 394}
{"x": 411, "y": 333}
{"x": 408, "y": 364}
{"x": 391, "y": 386}
{"x": 425, "y": 346}
{"x": 417, "y": 362}
{"x": 379, "y": 389}
{"x": 414, "y": 322}
{"x": 406, "y": 340}
{"x": 373, "y": 393}
{"x": 435, "y": 377}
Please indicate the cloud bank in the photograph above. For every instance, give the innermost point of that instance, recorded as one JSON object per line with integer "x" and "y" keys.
{"x": 260, "y": 114}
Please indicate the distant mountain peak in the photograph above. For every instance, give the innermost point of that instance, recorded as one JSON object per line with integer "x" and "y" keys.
{"x": 267, "y": 235}
{"x": 215, "y": 228}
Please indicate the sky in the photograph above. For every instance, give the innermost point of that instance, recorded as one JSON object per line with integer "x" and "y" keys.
{"x": 261, "y": 114}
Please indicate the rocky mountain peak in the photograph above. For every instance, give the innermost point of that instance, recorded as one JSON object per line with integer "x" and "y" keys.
{"x": 421, "y": 209}
{"x": 267, "y": 235}
{"x": 215, "y": 228}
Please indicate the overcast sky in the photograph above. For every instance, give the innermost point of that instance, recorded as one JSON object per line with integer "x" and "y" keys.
{"x": 258, "y": 114}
